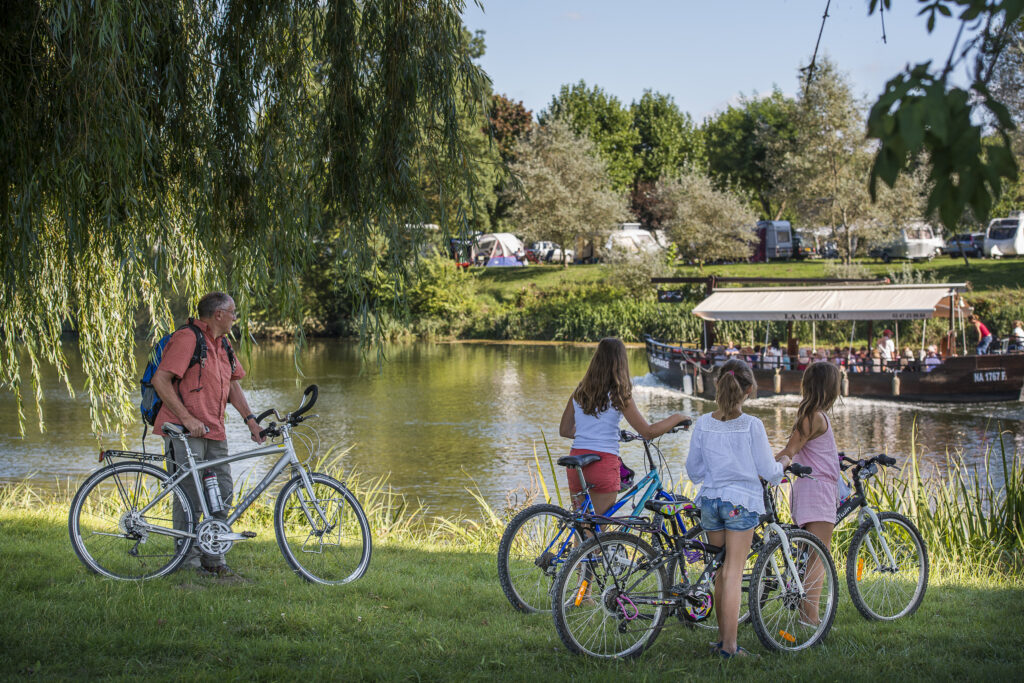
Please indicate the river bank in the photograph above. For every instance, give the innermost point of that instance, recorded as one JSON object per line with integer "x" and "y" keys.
{"x": 429, "y": 608}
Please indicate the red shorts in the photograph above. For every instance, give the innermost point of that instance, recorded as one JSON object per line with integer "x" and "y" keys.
{"x": 603, "y": 475}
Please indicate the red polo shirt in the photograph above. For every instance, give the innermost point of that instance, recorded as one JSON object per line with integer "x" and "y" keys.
{"x": 204, "y": 391}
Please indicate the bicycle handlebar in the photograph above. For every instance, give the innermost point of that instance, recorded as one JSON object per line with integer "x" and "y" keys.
{"x": 626, "y": 436}
{"x": 294, "y": 418}
{"x": 799, "y": 470}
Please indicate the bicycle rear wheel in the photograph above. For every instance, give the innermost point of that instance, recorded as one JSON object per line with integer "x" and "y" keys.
{"x": 330, "y": 548}
{"x": 114, "y": 534}
{"x": 883, "y": 590}
{"x": 702, "y": 616}
{"x": 596, "y": 616}
{"x": 782, "y": 617}
{"x": 533, "y": 547}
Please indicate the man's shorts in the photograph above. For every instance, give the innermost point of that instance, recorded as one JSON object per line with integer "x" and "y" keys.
{"x": 717, "y": 514}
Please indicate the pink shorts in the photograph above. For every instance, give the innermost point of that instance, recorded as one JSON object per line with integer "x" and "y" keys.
{"x": 603, "y": 475}
{"x": 814, "y": 500}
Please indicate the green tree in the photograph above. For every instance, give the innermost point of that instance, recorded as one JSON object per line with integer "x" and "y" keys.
{"x": 827, "y": 167}
{"x": 746, "y": 145}
{"x": 593, "y": 113}
{"x": 510, "y": 122}
{"x": 669, "y": 140}
{"x": 705, "y": 223}
{"x": 921, "y": 112}
{"x": 150, "y": 150}
{"x": 566, "y": 194}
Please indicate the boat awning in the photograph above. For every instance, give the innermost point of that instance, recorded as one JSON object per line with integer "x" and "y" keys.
{"x": 875, "y": 302}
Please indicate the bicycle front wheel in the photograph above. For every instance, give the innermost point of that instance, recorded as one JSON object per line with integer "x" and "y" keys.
{"x": 533, "y": 548}
{"x": 602, "y": 597}
{"x": 117, "y": 529}
{"x": 793, "y": 610}
{"x": 323, "y": 533}
{"x": 881, "y": 589}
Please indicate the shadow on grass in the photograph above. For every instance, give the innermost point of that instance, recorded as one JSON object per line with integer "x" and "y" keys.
{"x": 418, "y": 613}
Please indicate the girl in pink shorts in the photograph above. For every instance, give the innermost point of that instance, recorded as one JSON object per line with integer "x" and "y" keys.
{"x": 814, "y": 501}
{"x": 591, "y": 419}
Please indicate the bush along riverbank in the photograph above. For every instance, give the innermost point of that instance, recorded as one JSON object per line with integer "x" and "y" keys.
{"x": 430, "y": 606}
{"x": 586, "y": 303}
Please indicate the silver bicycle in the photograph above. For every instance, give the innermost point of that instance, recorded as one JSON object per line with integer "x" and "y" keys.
{"x": 121, "y": 517}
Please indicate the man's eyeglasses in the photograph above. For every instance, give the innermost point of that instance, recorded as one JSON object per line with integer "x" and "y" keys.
{"x": 233, "y": 314}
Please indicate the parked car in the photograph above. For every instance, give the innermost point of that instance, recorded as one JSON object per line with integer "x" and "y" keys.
{"x": 973, "y": 245}
{"x": 545, "y": 252}
{"x": 802, "y": 248}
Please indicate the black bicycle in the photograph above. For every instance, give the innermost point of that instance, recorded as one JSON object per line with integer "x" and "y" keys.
{"x": 614, "y": 593}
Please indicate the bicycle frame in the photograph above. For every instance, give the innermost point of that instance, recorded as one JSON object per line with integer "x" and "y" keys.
{"x": 193, "y": 470}
{"x": 859, "y": 500}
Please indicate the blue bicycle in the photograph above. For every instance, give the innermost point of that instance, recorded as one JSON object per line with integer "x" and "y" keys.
{"x": 538, "y": 540}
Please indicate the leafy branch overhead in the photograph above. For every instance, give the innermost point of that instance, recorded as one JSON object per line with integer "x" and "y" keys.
{"x": 920, "y": 112}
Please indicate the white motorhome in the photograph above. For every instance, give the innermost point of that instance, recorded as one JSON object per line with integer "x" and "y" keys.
{"x": 1005, "y": 236}
{"x": 632, "y": 241}
{"x": 775, "y": 240}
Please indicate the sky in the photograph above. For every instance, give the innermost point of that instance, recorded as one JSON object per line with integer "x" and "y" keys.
{"x": 705, "y": 54}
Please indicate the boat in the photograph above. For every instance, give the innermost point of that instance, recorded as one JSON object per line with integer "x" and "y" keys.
{"x": 960, "y": 378}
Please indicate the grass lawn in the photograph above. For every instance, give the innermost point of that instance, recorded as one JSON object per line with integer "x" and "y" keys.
{"x": 983, "y": 274}
{"x": 424, "y": 612}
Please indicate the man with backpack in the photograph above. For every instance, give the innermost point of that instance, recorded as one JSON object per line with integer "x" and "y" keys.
{"x": 197, "y": 377}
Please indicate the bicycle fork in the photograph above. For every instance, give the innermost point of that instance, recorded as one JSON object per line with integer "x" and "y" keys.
{"x": 790, "y": 565}
{"x": 873, "y": 516}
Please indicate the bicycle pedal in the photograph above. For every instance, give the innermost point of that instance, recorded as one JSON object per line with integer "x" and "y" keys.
{"x": 249, "y": 534}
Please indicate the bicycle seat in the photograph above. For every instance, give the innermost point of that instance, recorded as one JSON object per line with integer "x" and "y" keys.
{"x": 172, "y": 429}
{"x": 578, "y": 460}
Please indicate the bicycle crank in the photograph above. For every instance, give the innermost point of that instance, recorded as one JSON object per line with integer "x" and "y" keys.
{"x": 214, "y": 537}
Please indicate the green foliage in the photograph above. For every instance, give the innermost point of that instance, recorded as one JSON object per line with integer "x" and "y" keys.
{"x": 158, "y": 150}
{"x": 669, "y": 140}
{"x": 593, "y": 113}
{"x": 565, "y": 195}
{"x": 746, "y": 144}
{"x": 846, "y": 271}
{"x": 633, "y": 272}
{"x": 442, "y": 289}
{"x": 920, "y": 111}
{"x": 705, "y": 223}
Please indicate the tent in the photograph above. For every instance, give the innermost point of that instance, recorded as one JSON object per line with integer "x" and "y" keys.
{"x": 879, "y": 302}
{"x": 499, "y": 249}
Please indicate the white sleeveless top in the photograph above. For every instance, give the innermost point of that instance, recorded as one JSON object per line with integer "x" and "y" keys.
{"x": 599, "y": 433}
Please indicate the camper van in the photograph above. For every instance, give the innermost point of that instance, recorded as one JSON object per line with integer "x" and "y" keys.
{"x": 914, "y": 242}
{"x": 774, "y": 240}
{"x": 1005, "y": 236}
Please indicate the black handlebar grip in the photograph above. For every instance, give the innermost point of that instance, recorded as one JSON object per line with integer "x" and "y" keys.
{"x": 310, "y": 390}
{"x": 264, "y": 414}
{"x": 886, "y": 460}
{"x": 799, "y": 470}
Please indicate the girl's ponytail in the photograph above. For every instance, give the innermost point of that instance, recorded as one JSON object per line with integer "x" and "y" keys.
{"x": 734, "y": 380}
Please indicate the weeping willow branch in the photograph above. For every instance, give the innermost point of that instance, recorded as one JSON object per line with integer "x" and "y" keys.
{"x": 150, "y": 152}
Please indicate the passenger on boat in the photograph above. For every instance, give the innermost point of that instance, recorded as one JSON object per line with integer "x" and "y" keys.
{"x": 731, "y": 351}
{"x": 755, "y": 359}
{"x": 802, "y": 359}
{"x": 932, "y": 360}
{"x": 907, "y": 359}
{"x": 717, "y": 355}
{"x": 774, "y": 355}
{"x": 889, "y": 352}
{"x": 876, "y": 359}
{"x": 984, "y": 336}
{"x": 1017, "y": 336}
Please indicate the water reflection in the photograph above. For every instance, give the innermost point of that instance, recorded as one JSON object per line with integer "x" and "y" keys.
{"x": 437, "y": 418}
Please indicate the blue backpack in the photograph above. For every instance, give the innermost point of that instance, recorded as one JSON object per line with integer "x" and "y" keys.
{"x": 151, "y": 402}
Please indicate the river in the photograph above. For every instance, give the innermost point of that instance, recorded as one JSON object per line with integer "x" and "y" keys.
{"x": 437, "y": 419}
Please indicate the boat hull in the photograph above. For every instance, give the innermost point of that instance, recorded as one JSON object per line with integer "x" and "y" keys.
{"x": 962, "y": 379}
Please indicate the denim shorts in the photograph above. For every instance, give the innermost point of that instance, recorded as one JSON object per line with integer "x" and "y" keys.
{"x": 717, "y": 514}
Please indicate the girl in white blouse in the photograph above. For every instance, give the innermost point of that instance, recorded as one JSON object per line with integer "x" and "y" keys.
{"x": 730, "y": 453}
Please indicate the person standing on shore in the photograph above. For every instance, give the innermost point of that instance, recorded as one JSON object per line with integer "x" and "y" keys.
{"x": 195, "y": 397}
